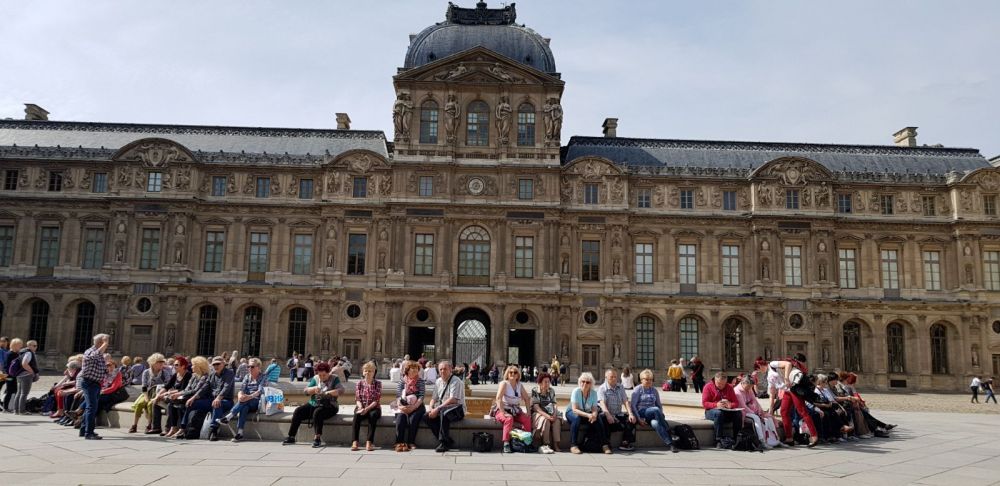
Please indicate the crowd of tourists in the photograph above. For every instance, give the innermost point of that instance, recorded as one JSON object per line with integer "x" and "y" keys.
{"x": 198, "y": 393}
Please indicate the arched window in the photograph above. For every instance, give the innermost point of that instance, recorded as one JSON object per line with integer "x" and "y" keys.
{"x": 297, "y": 320}
{"x": 689, "y": 337}
{"x": 939, "y": 349}
{"x": 39, "y": 324}
{"x": 895, "y": 344}
{"x": 253, "y": 316}
{"x": 208, "y": 320}
{"x": 852, "y": 346}
{"x": 733, "y": 332}
{"x": 526, "y": 125}
{"x": 429, "y": 122}
{"x": 84, "y": 330}
{"x": 645, "y": 342}
{"x": 474, "y": 256}
{"x": 477, "y": 129}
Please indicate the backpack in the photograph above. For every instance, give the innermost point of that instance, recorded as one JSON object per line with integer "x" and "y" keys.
{"x": 518, "y": 445}
{"x": 482, "y": 441}
{"x": 747, "y": 440}
{"x": 685, "y": 438}
{"x": 33, "y": 405}
{"x": 16, "y": 366}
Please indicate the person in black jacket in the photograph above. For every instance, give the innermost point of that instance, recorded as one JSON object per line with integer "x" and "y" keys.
{"x": 176, "y": 385}
{"x": 219, "y": 397}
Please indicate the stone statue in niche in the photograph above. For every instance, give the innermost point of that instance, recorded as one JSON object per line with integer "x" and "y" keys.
{"x": 381, "y": 260}
{"x": 170, "y": 337}
{"x": 179, "y": 229}
{"x": 565, "y": 264}
{"x": 120, "y": 251}
{"x": 451, "y": 114}
{"x": 503, "y": 114}
{"x": 564, "y": 347}
{"x": 970, "y": 275}
{"x": 378, "y": 345}
{"x": 121, "y": 227}
{"x": 329, "y": 258}
{"x": 821, "y": 247}
{"x": 768, "y": 352}
{"x": 326, "y": 341}
{"x": 975, "y": 356}
{"x": 826, "y": 353}
{"x": 765, "y": 272}
{"x": 967, "y": 250}
{"x": 764, "y": 245}
{"x": 822, "y": 271}
{"x": 618, "y": 349}
{"x": 553, "y": 120}
{"x": 617, "y": 268}
{"x": 402, "y": 111}
{"x": 178, "y": 253}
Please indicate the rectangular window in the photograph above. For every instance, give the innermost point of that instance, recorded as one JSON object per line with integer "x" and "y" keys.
{"x": 991, "y": 269}
{"x": 687, "y": 264}
{"x": 729, "y": 200}
{"x": 154, "y": 182}
{"x": 10, "y": 180}
{"x": 215, "y": 245}
{"x": 730, "y": 265}
{"x": 55, "y": 181}
{"x": 644, "y": 263}
{"x": 791, "y": 199}
{"x": 263, "y": 187}
{"x": 259, "y": 249}
{"x": 689, "y": 337}
{"x": 590, "y": 194}
{"x": 525, "y": 189}
{"x": 793, "y": 265}
{"x": 929, "y": 205}
{"x": 6, "y": 245}
{"x": 848, "y": 268}
{"x": 645, "y": 342}
{"x": 524, "y": 257}
{"x": 93, "y": 248}
{"x": 423, "y": 254}
{"x": 525, "y": 127}
{"x": 352, "y": 349}
{"x": 890, "y": 269}
{"x": 644, "y": 198}
{"x": 844, "y": 203}
{"x": 360, "y": 187}
{"x": 302, "y": 261}
{"x": 591, "y": 356}
{"x": 218, "y": 186}
{"x": 48, "y": 248}
{"x": 932, "y": 270}
{"x": 426, "y": 186}
{"x": 149, "y": 257}
{"x": 356, "y": 249}
{"x": 687, "y": 199}
{"x": 591, "y": 260}
{"x": 885, "y": 201}
{"x": 100, "y": 185}
{"x": 305, "y": 188}
{"x": 990, "y": 205}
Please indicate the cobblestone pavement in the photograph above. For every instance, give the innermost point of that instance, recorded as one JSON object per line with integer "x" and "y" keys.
{"x": 927, "y": 448}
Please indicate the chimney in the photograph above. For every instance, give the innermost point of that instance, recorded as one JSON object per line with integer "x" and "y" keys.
{"x": 610, "y": 127}
{"x": 906, "y": 137}
{"x": 35, "y": 112}
{"x": 343, "y": 121}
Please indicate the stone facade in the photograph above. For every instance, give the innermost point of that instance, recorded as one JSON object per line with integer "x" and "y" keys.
{"x": 607, "y": 251}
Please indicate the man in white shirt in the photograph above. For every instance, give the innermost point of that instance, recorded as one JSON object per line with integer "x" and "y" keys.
{"x": 974, "y": 386}
{"x": 447, "y": 405}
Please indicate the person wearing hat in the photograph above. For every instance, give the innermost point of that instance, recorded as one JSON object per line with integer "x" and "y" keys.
{"x": 221, "y": 383}
{"x": 151, "y": 378}
{"x": 323, "y": 388}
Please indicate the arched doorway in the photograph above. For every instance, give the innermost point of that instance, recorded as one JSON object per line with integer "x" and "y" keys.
{"x": 472, "y": 337}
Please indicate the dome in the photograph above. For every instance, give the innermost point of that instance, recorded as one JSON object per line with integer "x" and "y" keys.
{"x": 494, "y": 29}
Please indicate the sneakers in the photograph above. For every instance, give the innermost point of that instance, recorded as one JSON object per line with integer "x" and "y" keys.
{"x": 546, "y": 450}
{"x": 288, "y": 441}
{"x": 213, "y": 435}
{"x": 507, "y": 449}
{"x": 92, "y": 437}
{"x": 317, "y": 443}
{"x": 225, "y": 419}
{"x": 238, "y": 437}
{"x": 575, "y": 450}
{"x": 606, "y": 449}
{"x": 442, "y": 447}
{"x": 626, "y": 447}
{"x": 674, "y": 449}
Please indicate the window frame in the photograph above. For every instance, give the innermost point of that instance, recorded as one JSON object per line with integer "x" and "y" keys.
{"x": 357, "y": 253}
{"x": 845, "y": 203}
{"x": 215, "y": 249}
{"x": 730, "y": 264}
{"x": 263, "y": 187}
{"x": 425, "y": 186}
{"x": 792, "y": 199}
{"x": 644, "y": 261}
{"x": 793, "y": 265}
{"x": 307, "y": 188}
{"x": 100, "y": 183}
{"x": 889, "y": 266}
{"x": 645, "y": 342}
{"x": 359, "y": 187}
{"x": 687, "y": 263}
{"x": 524, "y": 256}
{"x": 591, "y": 193}
{"x": 644, "y": 198}
{"x": 219, "y": 188}
{"x": 850, "y": 273}
{"x": 154, "y": 181}
{"x": 590, "y": 260}
{"x": 429, "y": 120}
{"x": 259, "y": 254}
{"x": 932, "y": 269}
{"x": 423, "y": 254}
{"x": 302, "y": 253}
{"x": 477, "y": 124}
{"x": 525, "y": 189}
{"x": 93, "y": 247}
{"x": 526, "y": 125}
{"x": 730, "y": 201}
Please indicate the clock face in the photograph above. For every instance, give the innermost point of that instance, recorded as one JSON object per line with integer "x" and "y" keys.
{"x": 476, "y": 186}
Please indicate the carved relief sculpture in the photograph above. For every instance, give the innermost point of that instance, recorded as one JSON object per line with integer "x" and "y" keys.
{"x": 553, "y": 121}
{"x": 452, "y": 112}
{"x": 249, "y": 184}
{"x": 503, "y": 115}
{"x": 402, "y": 111}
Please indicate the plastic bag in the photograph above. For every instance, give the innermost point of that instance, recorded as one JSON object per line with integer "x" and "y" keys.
{"x": 274, "y": 401}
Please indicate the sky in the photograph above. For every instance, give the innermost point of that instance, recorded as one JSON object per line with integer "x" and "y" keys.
{"x": 850, "y": 71}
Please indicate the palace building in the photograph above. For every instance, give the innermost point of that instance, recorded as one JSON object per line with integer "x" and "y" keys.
{"x": 477, "y": 231}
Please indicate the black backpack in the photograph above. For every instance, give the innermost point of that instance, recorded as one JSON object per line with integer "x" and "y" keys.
{"x": 517, "y": 445}
{"x": 748, "y": 441}
{"x": 482, "y": 441}
{"x": 684, "y": 437}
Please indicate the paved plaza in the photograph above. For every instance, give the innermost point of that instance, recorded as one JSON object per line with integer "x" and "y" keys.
{"x": 927, "y": 448}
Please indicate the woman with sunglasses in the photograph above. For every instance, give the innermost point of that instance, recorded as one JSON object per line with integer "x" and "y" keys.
{"x": 584, "y": 411}
{"x": 507, "y": 409}
{"x": 248, "y": 398}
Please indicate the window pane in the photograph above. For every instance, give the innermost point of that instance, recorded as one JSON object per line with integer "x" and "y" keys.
{"x": 645, "y": 342}
{"x": 895, "y": 344}
{"x": 886, "y": 201}
{"x": 525, "y": 189}
{"x": 792, "y": 199}
{"x": 591, "y": 260}
{"x": 991, "y": 269}
{"x": 302, "y": 264}
{"x": 360, "y": 187}
{"x": 259, "y": 246}
{"x": 55, "y": 181}
{"x": 644, "y": 197}
{"x": 848, "y": 272}
{"x": 208, "y": 318}
{"x": 793, "y": 265}
{"x": 93, "y": 248}
{"x": 929, "y": 205}
{"x": 644, "y": 263}
{"x": 730, "y": 265}
{"x": 687, "y": 199}
{"x": 356, "y": 249}
{"x": 6, "y": 245}
{"x": 844, "y": 203}
{"x": 939, "y": 350}
{"x": 48, "y": 251}
{"x": 932, "y": 270}
{"x": 890, "y": 269}
{"x": 729, "y": 200}
{"x": 298, "y": 319}
{"x": 733, "y": 337}
{"x": 10, "y": 180}
{"x": 426, "y": 186}
{"x": 263, "y": 187}
{"x": 689, "y": 337}
{"x": 218, "y": 186}
{"x": 526, "y": 125}
{"x": 149, "y": 257}
{"x": 214, "y": 247}
{"x": 154, "y": 182}
{"x": 429, "y": 122}
{"x": 423, "y": 258}
{"x": 852, "y": 347}
{"x": 305, "y": 188}
{"x": 478, "y": 124}
{"x": 687, "y": 264}
{"x": 590, "y": 194}
{"x": 524, "y": 257}
{"x": 100, "y": 182}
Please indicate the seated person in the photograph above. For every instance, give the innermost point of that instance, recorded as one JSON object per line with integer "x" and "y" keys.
{"x": 251, "y": 388}
{"x": 323, "y": 389}
{"x": 110, "y": 394}
{"x": 170, "y": 397}
{"x": 215, "y": 395}
{"x": 584, "y": 411}
{"x": 447, "y": 405}
{"x": 546, "y": 415}
{"x": 368, "y": 407}
{"x": 408, "y": 412}
{"x": 762, "y": 421}
{"x": 649, "y": 410}
{"x": 836, "y": 422}
{"x": 508, "y": 411}
{"x": 197, "y": 388}
{"x": 719, "y": 401}
{"x": 616, "y": 409}
{"x": 66, "y": 386}
{"x": 151, "y": 378}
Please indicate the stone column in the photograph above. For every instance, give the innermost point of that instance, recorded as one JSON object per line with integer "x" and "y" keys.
{"x": 499, "y": 334}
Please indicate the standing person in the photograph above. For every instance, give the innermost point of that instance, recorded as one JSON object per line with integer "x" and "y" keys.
{"x": 474, "y": 373}
{"x": 974, "y": 386}
{"x": 718, "y": 399}
{"x": 422, "y": 360}
{"x": 11, "y": 382}
{"x": 4, "y": 355}
{"x": 554, "y": 367}
{"x": 780, "y": 383}
{"x": 293, "y": 366}
{"x": 676, "y": 375}
{"x": 988, "y": 388}
{"x": 546, "y": 415}
{"x": 612, "y": 399}
{"x": 324, "y": 388}
{"x": 507, "y": 411}
{"x": 628, "y": 380}
{"x": 251, "y": 388}
{"x": 301, "y": 372}
{"x": 583, "y": 410}
{"x": 92, "y": 374}
{"x": 409, "y": 411}
{"x": 447, "y": 406}
{"x": 368, "y": 407}
{"x": 697, "y": 374}
{"x": 647, "y": 405}
{"x": 495, "y": 375}
{"x": 27, "y": 373}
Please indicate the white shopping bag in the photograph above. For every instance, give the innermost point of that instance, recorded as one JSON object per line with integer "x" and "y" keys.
{"x": 274, "y": 401}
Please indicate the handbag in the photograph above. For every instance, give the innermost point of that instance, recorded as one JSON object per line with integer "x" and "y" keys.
{"x": 482, "y": 441}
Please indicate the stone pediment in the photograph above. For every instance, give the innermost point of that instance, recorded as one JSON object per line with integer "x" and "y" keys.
{"x": 592, "y": 168}
{"x": 478, "y": 65}
{"x": 155, "y": 153}
{"x": 360, "y": 161}
{"x": 793, "y": 171}
{"x": 987, "y": 178}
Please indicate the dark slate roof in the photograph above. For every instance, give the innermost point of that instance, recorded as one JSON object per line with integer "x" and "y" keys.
{"x": 493, "y": 29}
{"x": 744, "y": 157}
{"x": 293, "y": 141}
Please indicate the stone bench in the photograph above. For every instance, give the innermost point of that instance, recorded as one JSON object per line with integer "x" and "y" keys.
{"x": 337, "y": 430}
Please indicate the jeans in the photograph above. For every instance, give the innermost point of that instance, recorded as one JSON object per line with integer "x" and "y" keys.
{"x": 627, "y": 428}
{"x": 654, "y": 417}
{"x": 721, "y": 417}
{"x": 406, "y": 425}
{"x": 371, "y": 417}
{"x": 91, "y": 395}
{"x": 242, "y": 409}
{"x": 439, "y": 425}
{"x": 597, "y": 427}
{"x": 24, "y": 382}
{"x": 989, "y": 395}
